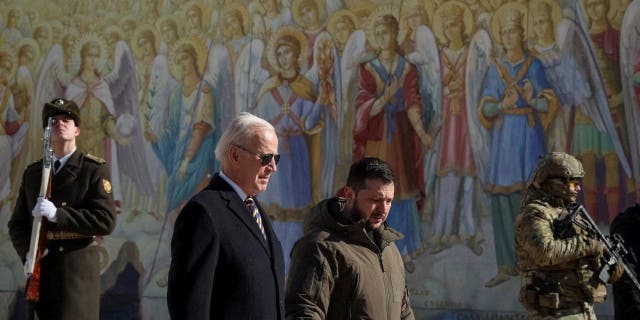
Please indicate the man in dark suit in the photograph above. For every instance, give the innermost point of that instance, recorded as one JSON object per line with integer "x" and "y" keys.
{"x": 66, "y": 285}
{"x": 227, "y": 262}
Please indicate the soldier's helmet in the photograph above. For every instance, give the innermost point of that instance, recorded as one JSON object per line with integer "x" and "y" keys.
{"x": 60, "y": 106}
{"x": 554, "y": 172}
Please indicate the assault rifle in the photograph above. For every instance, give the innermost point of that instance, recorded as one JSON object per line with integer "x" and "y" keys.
{"x": 616, "y": 252}
{"x": 44, "y": 190}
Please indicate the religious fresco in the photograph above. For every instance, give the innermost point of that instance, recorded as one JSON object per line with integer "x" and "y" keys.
{"x": 472, "y": 92}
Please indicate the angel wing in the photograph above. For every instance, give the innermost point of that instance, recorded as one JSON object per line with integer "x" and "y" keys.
{"x": 51, "y": 82}
{"x": 161, "y": 85}
{"x": 217, "y": 74}
{"x": 427, "y": 60}
{"x": 325, "y": 74}
{"x": 355, "y": 52}
{"x": 123, "y": 87}
{"x": 479, "y": 59}
{"x": 630, "y": 67}
{"x": 249, "y": 75}
{"x": 575, "y": 79}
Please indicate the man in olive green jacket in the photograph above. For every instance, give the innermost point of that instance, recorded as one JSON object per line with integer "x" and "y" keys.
{"x": 346, "y": 266}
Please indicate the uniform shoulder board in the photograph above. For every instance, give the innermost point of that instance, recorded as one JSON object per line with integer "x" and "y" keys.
{"x": 95, "y": 158}
{"x": 35, "y": 163}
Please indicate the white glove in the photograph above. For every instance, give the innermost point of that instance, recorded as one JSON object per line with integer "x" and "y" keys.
{"x": 26, "y": 263}
{"x": 45, "y": 208}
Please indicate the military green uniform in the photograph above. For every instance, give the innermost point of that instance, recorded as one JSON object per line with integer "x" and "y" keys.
{"x": 558, "y": 261}
{"x": 70, "y": 277}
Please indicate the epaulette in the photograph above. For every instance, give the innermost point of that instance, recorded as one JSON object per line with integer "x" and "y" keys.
{"x": 95, "y": 159}
{"x": 39, "y": 162}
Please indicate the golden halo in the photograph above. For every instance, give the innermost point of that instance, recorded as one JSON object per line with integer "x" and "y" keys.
{"x": 556, "y": 14}
{"x": 144, "y": 29}
{"x": 381, "y": 11}
{"x": 76, "y": 59}
{"x": 337, "y": 16}
{"x": 169, "y": 19}
{"x": 495, "y": 20}
{"x": 35, "y": 48}
{"x": 295, "y": 10}
{"x": 611, "y": 15}
{"x": 467, "y": 20}
{"x": 243, "y": 12}
{"x": 273, "y": 41}
{"x": 201, "y": 52}
{"x": 204, "y": 10}
{"x": 6, "y": 52}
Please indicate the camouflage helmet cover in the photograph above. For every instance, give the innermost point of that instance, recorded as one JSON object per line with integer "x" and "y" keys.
{"x": 557, "y": 165}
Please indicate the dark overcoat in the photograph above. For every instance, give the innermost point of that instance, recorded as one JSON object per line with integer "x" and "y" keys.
{"x": 626, "y": 297}
{"x": 70, "y": 277}
{"x": 221, "y": 265}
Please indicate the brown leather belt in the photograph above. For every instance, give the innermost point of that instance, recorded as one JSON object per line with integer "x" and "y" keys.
{"x": 66, "y": 235}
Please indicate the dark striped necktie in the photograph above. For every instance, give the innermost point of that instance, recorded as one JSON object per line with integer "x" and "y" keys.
{"x": 255, "y": 213}
{"x": 56, "y": 166}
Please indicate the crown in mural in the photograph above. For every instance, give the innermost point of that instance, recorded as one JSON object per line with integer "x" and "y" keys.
{"x": 452, "y": 12}
{"x": 511, "y": 18}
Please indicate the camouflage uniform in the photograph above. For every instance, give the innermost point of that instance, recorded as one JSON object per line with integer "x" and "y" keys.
{"x": 557, "y": 260}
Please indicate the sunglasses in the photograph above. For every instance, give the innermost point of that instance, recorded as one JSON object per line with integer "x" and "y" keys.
{"x": 265, "y": 158}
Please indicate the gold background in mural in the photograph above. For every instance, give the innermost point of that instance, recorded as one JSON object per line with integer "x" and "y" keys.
{"x": 460, "y": 97}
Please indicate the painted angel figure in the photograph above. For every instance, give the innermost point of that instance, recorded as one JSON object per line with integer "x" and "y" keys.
{"x": 12, "y": 127}
{"x": 630, "y": 72}
{"x": 583, "y": 125}
{"x": 389, "y": 125}
{"x": 23, "y": 89}
{"x": 323, "y": 69}
{"x": 512, "y": 101}
{"x": 297, "y": 108}
{"x": 186, "y": 143}
{"x": 268, "y": 16}
{"x": 456, "y": 218}
{"x": 155, "y": 85}
{"x": 616, "y": 191}
{"x": 108, "y": 106}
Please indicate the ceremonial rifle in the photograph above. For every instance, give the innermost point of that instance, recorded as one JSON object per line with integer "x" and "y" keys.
{"x": 44, "y": 192}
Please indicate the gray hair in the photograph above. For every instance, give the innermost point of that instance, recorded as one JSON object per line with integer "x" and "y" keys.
{"x": 240, "y": 131}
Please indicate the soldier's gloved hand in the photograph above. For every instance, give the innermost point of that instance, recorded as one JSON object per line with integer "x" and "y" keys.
{"x": 616, "y": 273}
{"x": 27, "y": 274}
{"x": 594, "y": 248}
{"x": 45, "y": 208}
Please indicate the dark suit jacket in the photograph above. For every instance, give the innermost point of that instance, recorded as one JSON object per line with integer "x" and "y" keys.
{"x": 221, "y": 266}
{"x": 70, "y": 278}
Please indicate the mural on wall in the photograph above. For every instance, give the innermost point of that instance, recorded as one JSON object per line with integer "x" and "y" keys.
{"x": 459, "y": 96}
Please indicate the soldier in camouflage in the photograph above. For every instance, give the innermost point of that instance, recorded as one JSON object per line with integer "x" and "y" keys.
{"x": 559, "y": 262}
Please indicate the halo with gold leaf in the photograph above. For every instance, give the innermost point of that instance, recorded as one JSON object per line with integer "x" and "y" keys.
{"x": 6, "y": 52}
{"x": 381, "y": 11}
{"x": 201, "y": 52}
{"x": 467, "y": 19}
{"x": 142, "y": 31}
{"x": 76, "y": 58}
{"x": 35, "y": 48}
{"x": 501, "y": 12}
{"x": 611, "y": 14}
{"x": 411, "y": 8}
{"x": 273, "y": 43}
{"x": 242, "y": 12}
{"x": 169, "y": 19}
{"x": 338, "y": 16}
{"x": 556, "y": 13}
{"x": 204, "y": 10}
{"x": 295, "y": 10}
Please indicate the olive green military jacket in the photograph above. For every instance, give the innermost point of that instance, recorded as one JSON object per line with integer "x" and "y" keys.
{"x": 70, "y": 277}
{"x": 561, "y": 258}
